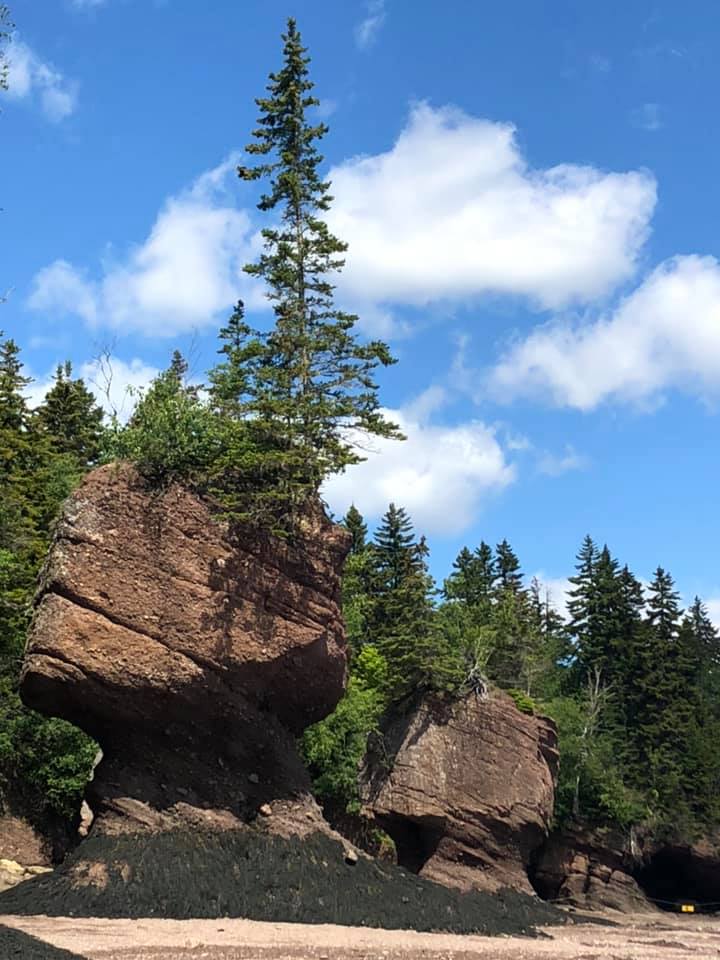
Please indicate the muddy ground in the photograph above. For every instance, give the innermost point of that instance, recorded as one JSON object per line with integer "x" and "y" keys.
{"x": 650, "y": 937}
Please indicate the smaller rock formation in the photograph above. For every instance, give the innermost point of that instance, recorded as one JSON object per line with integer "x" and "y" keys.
{"x": 590, "y": 868}
{"x": 193, "y": 652}
{"x": 465, "y": 790}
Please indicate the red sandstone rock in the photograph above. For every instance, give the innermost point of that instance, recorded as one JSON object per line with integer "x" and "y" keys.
{"x": 591, "y": 868}
{"x": 469, "y": 795}
{"x": 193, "y": 653}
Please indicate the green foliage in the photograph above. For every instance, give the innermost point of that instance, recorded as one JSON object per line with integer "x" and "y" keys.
{"x": 172, "y": 434}
{"x": 70, "y": 418}
{"x": 44, "y": 763}
{"x": 334, "y": 748}
{"x": 523, "y": 702}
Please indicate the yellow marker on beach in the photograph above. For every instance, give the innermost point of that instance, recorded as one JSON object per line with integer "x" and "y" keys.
{"x": 687, "y": 908}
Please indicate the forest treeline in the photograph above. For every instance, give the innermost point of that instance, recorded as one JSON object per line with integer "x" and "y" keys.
{"x": 631, "y": 679}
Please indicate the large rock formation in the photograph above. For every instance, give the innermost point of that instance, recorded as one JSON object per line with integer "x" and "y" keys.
{"x": 465, "y": 790}
{"x": 193, "y": 652}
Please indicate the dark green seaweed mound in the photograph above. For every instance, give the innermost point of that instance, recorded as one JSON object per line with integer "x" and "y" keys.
{"x": 249, "y": 874}
{"x": 14, "y": 944}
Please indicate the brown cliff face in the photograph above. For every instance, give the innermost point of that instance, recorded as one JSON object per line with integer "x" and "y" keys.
{"x": 469, "y": 796}
{"x": 192, "y": 652}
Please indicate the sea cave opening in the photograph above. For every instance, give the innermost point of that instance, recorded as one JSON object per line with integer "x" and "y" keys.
{"x": 415, "y": 842}
{"x": 673, "y": 877}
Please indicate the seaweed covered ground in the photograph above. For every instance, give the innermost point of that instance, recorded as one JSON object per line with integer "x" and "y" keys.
{"x": 14, "y": 943}
{"x": 246, "y": 873}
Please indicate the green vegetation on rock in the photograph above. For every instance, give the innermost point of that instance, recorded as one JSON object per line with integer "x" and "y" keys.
{"x": 44, "y": 764}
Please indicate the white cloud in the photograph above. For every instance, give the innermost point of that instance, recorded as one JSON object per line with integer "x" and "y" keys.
{"x": 557, "y": 589}
{"x": 554, "y": 465}
{"x": 29, "y": 77}
{"x": 454, "y": 211}
{"x": 111, "y": 380}
{"x": 665, "y": 334}
{"x": 187, "y": 270}
{"x": 61, "y": 286}
{"x": 366, "y": 32}
{"x": 441, "y": 474}
{"x": 713, "y": 608}
{"x": 451, "y": 212}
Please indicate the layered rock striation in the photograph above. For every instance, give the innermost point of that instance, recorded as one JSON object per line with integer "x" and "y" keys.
{"x": 193, "y": 651}
{"x": 465, "y": 790}
{"x": 590, "y": 867}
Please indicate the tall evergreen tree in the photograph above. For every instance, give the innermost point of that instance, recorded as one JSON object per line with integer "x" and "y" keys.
{"x": 355, "y": 524}
{"x": 403, "y": 614}
{"x": 511, "y": 621}
{"x": 507, "y": 567}
{"x": 397, "y": 554}
{"x": 471, "y": 580}
{"x": 71, "y": 419}
{"x": 311, "y": 382}
{"x": 581, "y": 602}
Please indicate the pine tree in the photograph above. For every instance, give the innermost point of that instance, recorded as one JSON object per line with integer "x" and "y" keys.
{"x": 44, "y": 763}
{"x": 581, "y": 603}
{"x": 353, "y": 521}
{"x": 507, "y": 566}
{"x": 240, "y": 347}
{"x": 403, "y": 624}
{"x": 13, "y": 405}
{"x": 472, "y": 577}
{"x": 357, "y": 584}
{"x": 705, "y": 645}
{"x": 397, "y": 554}
{"x": 17, "y": 459}
{"x": 457, "y": 586}
{"x": 71, "y": 419}
{"x": 600, "y": 647}
{"x": 667, "y": 697}
{"x": 311, "y": 382}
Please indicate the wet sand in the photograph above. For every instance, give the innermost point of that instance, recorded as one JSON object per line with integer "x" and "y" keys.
{"x": 648, "y": 937}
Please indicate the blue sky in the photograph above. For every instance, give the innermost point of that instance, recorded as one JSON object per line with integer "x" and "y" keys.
{"x": 531, "y": 198}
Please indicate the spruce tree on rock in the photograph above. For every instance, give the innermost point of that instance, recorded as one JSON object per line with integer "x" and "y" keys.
{"x": 403, "y": 615}
{"x": 311, "y": 381}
